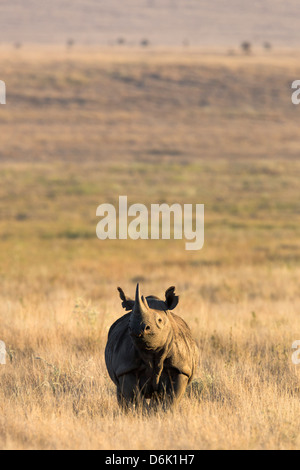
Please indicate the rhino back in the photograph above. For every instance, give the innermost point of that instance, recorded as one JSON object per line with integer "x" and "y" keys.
{"x": 121, "y": 356}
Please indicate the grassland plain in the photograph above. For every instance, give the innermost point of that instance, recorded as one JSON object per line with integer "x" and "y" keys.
{"x": 82, "y": 128}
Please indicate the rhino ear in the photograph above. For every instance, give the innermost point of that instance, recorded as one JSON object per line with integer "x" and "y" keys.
{"x": 171, "y": 299}
{"x": 126, "y": 302}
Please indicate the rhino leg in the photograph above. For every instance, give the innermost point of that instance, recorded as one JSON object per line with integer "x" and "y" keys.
{"x": 178, "y": 388}
{"x": 129, "y": 393}
{"x": 171, "y": 389}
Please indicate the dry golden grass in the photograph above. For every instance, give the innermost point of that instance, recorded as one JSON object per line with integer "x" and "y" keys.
{"x": 83, "y": 129}
{"x": 55, "y": 392}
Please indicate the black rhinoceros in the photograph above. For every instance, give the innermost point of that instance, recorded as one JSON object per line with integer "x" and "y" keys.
{"x": 150, "y": 352}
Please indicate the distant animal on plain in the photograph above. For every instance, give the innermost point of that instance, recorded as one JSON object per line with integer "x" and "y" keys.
{"x": 150, "y": 352}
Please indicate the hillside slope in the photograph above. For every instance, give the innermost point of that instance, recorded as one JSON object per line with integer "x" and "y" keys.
{"x": 163, "y": 22}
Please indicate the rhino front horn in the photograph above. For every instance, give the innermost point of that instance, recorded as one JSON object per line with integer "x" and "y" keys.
{"x": 140, "y": 304}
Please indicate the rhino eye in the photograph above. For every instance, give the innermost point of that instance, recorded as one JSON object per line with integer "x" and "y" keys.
{"x": 159, "y": 320}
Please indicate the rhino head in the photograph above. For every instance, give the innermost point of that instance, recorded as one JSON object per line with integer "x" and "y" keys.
{"x": 149, "y": 323}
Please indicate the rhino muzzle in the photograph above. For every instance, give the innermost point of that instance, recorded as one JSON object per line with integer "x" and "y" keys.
{"x": 140, "y": 332}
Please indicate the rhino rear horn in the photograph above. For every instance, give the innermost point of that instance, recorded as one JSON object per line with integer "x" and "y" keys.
{"x": 127, "y": 303}
{"x": 171, "y": 299}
